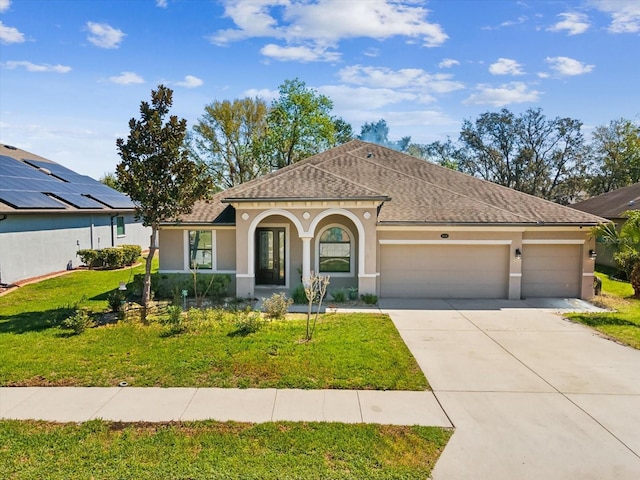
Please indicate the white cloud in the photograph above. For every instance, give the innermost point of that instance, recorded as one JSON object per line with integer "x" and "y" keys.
{"x": 104, "y": 36}
{"x": 127, "y": 78}
{"x": 414, "y": 79}
{"x": 10, "y": 34}
{"x": 364, "y": 98}
{"x": 263, "y": 93}
{"x": 32, "y": 67}
{"x": 506, "y": 66}
{"x": 299, "y": 53}
{"x": 190, "y": 82}
{"x": 514, "y": 92}
{"x": 565, "y": 66}
{"x": 324, "y": 24}
{"x": 509, "y": 23}
{"x": 573, "y": 23}
{"x": 448, "y": 63}
{"x": 161, "y": 3}
{"x": 625, "y": 14}
{"x": 4, "y": 5}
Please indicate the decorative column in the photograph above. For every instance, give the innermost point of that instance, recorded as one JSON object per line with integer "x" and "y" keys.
{"x": 306, "y": 257}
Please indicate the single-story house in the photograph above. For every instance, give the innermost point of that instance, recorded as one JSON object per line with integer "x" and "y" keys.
{"x": 48, "y": 213}
{"x": 611, "y": 205}
{"x": 388, "y": 224}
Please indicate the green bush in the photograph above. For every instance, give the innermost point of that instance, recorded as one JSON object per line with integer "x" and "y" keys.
{"x": 298, "y": 295}
{"x": 112, "y": 257}
{"x": 369, "y": 298}
{"x": 116, "y": 299}
{"x": 167, "y": 285}
{"x": 626, "y": 260}
{"x": 131, "y": 253}
{"x": 79, "y": 321}
{"x": 339, "y": 296}
{"x": 277, "y": 305}
{"x": 247, "y": 321}
{"x": 89, "y": 257}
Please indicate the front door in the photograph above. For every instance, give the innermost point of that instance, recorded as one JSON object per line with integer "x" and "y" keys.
{"x": 270, "y": 256}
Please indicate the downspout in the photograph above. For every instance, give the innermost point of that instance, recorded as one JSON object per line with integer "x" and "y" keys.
{"x": 113, "y": 238}
{"x": 2, "y": 218}
{"x": 91, "y": 232}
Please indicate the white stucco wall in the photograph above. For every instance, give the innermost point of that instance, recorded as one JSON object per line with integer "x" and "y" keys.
{"x": 34, "y": 245}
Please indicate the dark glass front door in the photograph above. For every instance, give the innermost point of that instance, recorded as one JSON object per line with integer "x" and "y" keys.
{"x": 270, "y": 256}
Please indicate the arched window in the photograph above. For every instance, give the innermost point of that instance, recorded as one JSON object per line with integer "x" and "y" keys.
{"x": 335, "y": 252}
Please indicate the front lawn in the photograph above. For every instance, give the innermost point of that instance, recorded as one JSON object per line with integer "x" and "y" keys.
{"x": 348, "y": 351}
{"x": 210, "y": 450}
{"x": 623, "y": 324}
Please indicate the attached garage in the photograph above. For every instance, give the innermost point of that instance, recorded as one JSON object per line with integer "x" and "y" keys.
{"x": 416, "y": 270}
{"x": 551, "y": 270}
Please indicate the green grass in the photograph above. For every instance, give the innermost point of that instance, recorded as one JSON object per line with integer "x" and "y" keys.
{"x": 622, "y": 324}
{"x": 212, "y": 450}
{"x": 349, "y": 351}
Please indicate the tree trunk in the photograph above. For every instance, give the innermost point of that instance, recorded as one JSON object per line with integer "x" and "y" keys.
{"x": 146, "y": 287}
{"x": 635, "y": 279}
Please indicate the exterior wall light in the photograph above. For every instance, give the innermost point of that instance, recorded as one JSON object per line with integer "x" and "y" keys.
{"x": 518, "y": 254}
{"x": 592, "y": 254}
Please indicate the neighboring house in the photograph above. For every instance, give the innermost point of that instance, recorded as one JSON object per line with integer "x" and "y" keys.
{"x": 388, "y": 224}
{"x": 48, "y": 213}
{"x": 611, "y": 205}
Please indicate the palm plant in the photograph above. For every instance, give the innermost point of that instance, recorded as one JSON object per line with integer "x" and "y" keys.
{"x": 625, "y": 245}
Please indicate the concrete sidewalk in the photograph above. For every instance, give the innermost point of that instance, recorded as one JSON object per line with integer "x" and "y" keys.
{"x": 128, "y": 404}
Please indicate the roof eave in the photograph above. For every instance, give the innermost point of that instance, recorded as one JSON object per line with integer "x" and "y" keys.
{"x": 381, "y": 198}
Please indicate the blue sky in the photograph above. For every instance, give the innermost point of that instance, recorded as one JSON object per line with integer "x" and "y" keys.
{"x": 73, "y": 72}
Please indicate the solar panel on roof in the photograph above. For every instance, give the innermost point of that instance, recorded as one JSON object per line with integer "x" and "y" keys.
{"x": 78, "y": 201}
{"x": 114, "y": 201}
{"x": 57, "y": 170}
{"x": 28, "y": 200}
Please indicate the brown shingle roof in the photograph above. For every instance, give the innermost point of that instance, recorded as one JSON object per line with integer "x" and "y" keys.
{"x": 412, "y": 190}
{"x": 612, "y": 204}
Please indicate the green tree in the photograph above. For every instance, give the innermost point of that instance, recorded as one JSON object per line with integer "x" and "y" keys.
{"x": 156, "y": 171}
{"x": 616, "y": 153}
{"x": 378, "y": 132}
{"x": 229, "y": 139}
{"x": 300, "y": 124}
{"x": 625, "y": 245}
{"x": 446, "y": 154}
{"x": 110, "y": 180}
{"x": 530, "y": 153}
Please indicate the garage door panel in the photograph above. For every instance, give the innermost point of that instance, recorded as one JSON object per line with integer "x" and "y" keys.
{"x": 551, "y": 271}
{"x": 443, "y": 271}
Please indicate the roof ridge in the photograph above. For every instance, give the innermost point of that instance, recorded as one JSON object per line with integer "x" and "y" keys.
{"x": 445, "y": 188}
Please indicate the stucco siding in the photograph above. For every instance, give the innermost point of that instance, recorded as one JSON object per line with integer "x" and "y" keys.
{"x": 34, "y": 245}
{"x": 172, "y": 247}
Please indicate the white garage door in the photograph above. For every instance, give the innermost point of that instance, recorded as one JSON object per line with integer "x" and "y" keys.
{"x": 551, "y": 271}
{"x": 444, "y": 271}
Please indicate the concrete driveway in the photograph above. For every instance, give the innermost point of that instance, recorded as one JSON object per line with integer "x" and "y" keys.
{"x": 531, "y": 395}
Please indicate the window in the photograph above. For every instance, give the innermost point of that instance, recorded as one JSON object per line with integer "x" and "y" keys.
{"x": 334, "y": 251}
{"x": 201, "y": 249}
{"x": 120, "y": 226}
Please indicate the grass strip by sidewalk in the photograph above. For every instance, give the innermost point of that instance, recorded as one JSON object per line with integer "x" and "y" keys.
{"x": 213, "y": 450}
{"x": 621, "y": 324}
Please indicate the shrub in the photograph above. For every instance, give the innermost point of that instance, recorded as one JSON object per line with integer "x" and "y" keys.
{"x": 116, "y": 299}
{"x": 339, "y": 296}
{"x": 353, "y": 293}
{"x": 170, "y": 285}
{"x": 173, "y": 318}
{"x": 112, "y": 257}
{"x": 277, "y": 305}
{"x": 298, "y": 295}
{"x": 89, "y": 257}
{"x": 79, "y": 321}
{"x": 369, "y": 298}
{"x": 130, "y": 253}
{"x": 247, "y": 321}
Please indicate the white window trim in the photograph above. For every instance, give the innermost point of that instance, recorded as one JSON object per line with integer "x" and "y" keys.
{"x": 214, "y": 246}
{"x": 351, "y": 251}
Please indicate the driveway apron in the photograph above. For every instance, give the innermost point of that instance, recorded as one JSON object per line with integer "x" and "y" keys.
{"x": 531, "y": 395}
